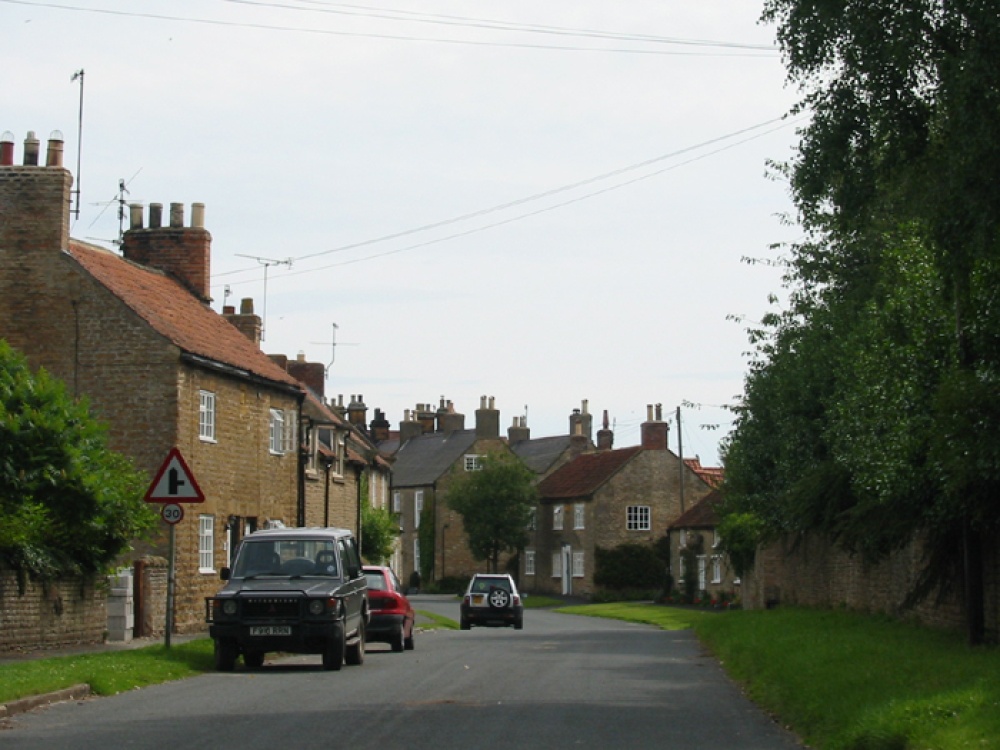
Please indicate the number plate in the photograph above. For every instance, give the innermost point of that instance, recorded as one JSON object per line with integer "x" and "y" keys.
{"x": 271, "y": 630}
{"x": 478, "y": 599}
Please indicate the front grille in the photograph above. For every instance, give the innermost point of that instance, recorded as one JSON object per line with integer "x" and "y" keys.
{"x": 271, "y": 606}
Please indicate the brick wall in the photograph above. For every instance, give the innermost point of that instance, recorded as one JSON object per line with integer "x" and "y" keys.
{"x": 58, "y": 614}
{"x": 813, "y": 572}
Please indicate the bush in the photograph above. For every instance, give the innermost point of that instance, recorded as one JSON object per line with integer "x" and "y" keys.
{"x": 631, "y": 566}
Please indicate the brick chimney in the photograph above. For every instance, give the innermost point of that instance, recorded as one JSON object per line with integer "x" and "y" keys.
{"x": 654, "y": 429}
{"x": 35, "y": 200}
{"x": 487, "y": 419}
{"x": 313, "y": 374}
{"x": 425, "y": 415}
{"x": 183, "y": 252}
{"x": 518, "y": 432}
{"x": 379, "y": 427}
{"x": 448, "y": 419}
{"x": 605, "y": 435}
{"x": 409, "y": 427}
{"x": 357, "y": 412}
{"x": 246, "y": 322}
{"x": 581, "y": 417}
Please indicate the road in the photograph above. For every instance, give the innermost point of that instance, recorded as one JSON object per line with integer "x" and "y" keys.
{"x": 562, "y": 682}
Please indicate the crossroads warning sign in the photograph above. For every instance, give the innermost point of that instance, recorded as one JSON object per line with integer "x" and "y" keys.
{"x": 174, "y": 482}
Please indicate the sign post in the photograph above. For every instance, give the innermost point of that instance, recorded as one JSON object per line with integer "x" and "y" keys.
{"x": 173, "y": 484}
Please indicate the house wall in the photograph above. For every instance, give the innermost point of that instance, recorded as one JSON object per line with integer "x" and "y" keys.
{"x": 727, "y": 585}
{"x": 343, "y": 498}
{"x": 813, "y": 572}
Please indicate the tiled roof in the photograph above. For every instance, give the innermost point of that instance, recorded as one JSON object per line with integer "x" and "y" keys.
{"x": 422, "y": 460}
{"x": 539, "y": 454}
{"x": 710, "y": 475}
{"x": 173, "y": 312}
{"x": 585, "y": 474}
{"x": 704, "y": 515}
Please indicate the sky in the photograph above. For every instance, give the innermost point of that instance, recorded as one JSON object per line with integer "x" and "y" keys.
{"x": 541, "y": 203}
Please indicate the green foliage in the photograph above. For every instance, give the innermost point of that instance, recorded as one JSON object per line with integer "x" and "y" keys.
{"x": 496, "y": 504}
{"x": 379, "y": 531}
{"x": 739, "y": 536}
{"x": 427, "y": 539}
{"x": 69, "y": 506}
{"x": 631, "y": 566}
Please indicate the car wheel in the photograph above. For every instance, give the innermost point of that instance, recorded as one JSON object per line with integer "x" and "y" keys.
{"x": 464, "y": 624}
{"x": 253, "y": 659}
{"x": 398, "y": 642}
{"x": 519, "y": 623}
{"x": 356, "y": 651}
{"x": 499, "y": 599}
{"x": 225, "y": 654}
{"x": 408, "y": 643}
{"x": 333, "y": 655}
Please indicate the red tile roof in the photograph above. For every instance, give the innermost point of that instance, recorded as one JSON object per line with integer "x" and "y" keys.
{"x": 710, "y": 475}
{"x": 585, "y": 474}
{"x": 173, "y": 312}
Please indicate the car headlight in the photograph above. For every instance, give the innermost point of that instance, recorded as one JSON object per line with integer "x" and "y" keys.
{"x": 229, "y": 607}
{"x": 316, "y": 607}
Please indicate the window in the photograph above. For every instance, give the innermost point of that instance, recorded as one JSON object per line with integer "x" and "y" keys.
{"x": 715, "y": 538}
{"x": 416, "y": 555}
{"x": 578, "y": 565}
{"x": 557, "y": 564}
{"x": 557, "y": 517}
{"x": 473, "y": 462}
{"x": 331, "y": 445}
{"x": 684, "y": 538}
{"x": 637, "y": 518}
{"x": 702, "y": 572}
{"x": 206, "y": 416}
{"x": 578, "y": 514}
{"x": 533, "y": 520}
{"x": 397, "y": 503}
{"x": 206, "y": 544}
{"x": 716, "y": 568}
{"x": 529, "y": 562}
{"x": 282, "y": 438}
{"x": 418, "y": 507}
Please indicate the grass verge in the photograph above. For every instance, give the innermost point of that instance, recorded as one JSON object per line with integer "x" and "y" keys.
{"x": 844, "y": 681}
{"x": 436, "y": 621}
{"x": 107, "y": 673}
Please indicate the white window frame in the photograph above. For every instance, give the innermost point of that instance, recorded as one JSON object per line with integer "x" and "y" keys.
{"x": 716, "y": 568}
{"x": 418, "y": 507}
{"x": 557, "y": 564}
{"x": 416, "y": 555}
{"x": 702, "y": 572}
{"x": 579, "y": 514}
{"x": 638, "y": 518}
{"x": 683, "y": 538}
{"x": 715, "y": 538}
{"x": 529, "y": 562}
{"x": 277, "y": 432}
{"x": 533, "y": 519}
{"x": 206, "y": 416}
{"x": 578, "y": 560}
{"x": 397, "y": 501}
{"x": 473, "y": 462}
{"x": 206, "y": 544}
{"x": 557, "y": 517}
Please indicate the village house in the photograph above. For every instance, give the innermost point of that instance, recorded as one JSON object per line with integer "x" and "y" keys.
{"x": 694, "y": 540}
{"x": 601, "y": 499}
{"x": 135, "y": 335}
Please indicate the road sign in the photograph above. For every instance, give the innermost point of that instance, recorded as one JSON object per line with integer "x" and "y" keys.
{"x": 172, "y": 513}
{"x": 174, "y": 482}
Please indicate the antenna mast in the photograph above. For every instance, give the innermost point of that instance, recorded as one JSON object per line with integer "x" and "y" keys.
{"x": 267, "y": 263}
{"x": 79, "y": 142}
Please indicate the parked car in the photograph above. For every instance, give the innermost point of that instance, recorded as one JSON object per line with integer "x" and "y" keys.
{"x": 299, "y": 591}
{"x": 492, "y": 599}
{"x": 392, "y": 617}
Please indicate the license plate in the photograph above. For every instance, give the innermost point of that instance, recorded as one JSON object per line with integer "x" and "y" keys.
{"x": 271, "y": 630}
{"x": 478, "y": 599}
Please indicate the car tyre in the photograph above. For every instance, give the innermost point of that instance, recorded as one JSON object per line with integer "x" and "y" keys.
{"x": 356, "y": 651}
{"x": 398, "y": 642}
{"x": 519, "y": 623}
{"x": 499, "y": 599}
{"x": 464, "y": 624}
{"x": 408, "y": 643}
{"x": 253, "y": 659}
{"x": 225, "y": 654}
{"x": 333, "y": 655}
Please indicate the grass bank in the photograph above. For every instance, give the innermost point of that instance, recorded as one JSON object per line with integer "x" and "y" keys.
{"x": 844, "y": 681}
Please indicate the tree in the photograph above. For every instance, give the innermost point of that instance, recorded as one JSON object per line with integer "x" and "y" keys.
{"x": 379, "y": 531}
{"x": 496, "y": 504}
{"x": 69, "y": 506}
{"x": 876, "y": 377}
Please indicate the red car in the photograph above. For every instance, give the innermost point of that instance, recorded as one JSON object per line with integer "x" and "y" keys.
{"x": 392, "y": 617}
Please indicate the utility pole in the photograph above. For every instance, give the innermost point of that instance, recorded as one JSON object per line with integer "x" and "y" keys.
{"x": 79, "y": 141}
{"x": 680, "y": 459}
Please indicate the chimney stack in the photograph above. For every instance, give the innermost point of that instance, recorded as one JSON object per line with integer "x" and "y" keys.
{"x": 518, "y": 432}
{"x": 605, "y": 436}
{"x": 654, "y": 429}
{"x": 409, "y": 428}
{"x": 246, "y": 322}
{"x": 313, "y": 374}
{"x": 183, "y": 252}
{"x": 487, "y": 419}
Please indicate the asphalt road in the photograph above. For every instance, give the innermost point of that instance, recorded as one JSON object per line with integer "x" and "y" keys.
{"x": 562, "y": 682}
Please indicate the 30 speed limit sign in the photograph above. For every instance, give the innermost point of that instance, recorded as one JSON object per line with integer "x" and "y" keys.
{"x": 172, "y": 513}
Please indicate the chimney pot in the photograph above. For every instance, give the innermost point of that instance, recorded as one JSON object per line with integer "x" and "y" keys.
{"x": 246, "y": 306}
{"x": 176, "y": 215}
{"x": 198, "y": 215}
{"x": 54, "y": 155}
{"x": 31, "y": 150}
{"x": 135, "y": 215}
{"x": 7, "y": 149}
{"x": 155, "y": 215}
{"x": 228, "y": 310}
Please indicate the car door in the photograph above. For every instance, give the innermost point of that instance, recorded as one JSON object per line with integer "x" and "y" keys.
{"x": 354, "y": 582}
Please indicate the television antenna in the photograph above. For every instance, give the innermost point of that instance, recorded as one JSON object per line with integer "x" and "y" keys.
{"x": 78, "y": 76}
{"x": 267, "y": 263}
{"x": 333, "y": 348}
{"x": 122, "y": 203}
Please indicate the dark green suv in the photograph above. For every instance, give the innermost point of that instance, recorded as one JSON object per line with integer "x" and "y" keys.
{"x": 299, "y": 591}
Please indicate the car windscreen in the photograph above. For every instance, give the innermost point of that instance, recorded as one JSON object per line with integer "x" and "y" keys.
{"x": 376, "y": 581}
{"x": 287, "y": 557}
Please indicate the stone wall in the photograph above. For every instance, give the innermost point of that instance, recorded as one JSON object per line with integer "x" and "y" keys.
{"x": 58, "y": 614}
{"x": 813, "y": 572}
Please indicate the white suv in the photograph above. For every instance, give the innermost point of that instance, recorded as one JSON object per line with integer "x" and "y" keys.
{"x": 492, "y": 599}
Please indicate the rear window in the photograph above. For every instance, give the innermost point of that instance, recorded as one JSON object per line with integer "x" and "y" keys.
{"x": 482, "y": 585}
{"x": 376, "y": 581}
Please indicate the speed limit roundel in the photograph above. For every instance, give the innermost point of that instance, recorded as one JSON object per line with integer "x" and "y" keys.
{"x": 172, "y": 513}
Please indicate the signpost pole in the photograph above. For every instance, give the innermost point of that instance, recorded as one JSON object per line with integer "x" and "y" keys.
{"x": 170, "y": 587}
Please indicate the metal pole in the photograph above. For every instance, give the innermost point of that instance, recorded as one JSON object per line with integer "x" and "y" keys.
{"x": 680, "y": 459}
{"x": 171, "y": 579}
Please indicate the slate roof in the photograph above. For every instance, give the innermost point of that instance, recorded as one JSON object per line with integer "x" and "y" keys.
{"x": 422, "y": 460}
{"x": 539, "y": 454}
{"x": 585, "y": 474}
{"x": 174, "y": 313}
{"x": 704, "y": 515}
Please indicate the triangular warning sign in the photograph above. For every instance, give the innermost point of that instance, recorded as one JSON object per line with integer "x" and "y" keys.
{"x": 174, "y": 482}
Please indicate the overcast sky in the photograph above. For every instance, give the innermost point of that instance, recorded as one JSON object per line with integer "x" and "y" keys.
{"x": 543, "y": 202}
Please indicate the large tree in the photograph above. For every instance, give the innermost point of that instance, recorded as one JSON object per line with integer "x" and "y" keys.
{"x": 69, "y": 506}
{"x": 871, "y": 411}
{"x": 496, "y": 503}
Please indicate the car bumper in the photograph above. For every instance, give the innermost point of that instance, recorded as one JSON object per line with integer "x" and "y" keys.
{"x": 305, "y": 638}
{"x": 383, "y": 625}
{"x": 483, "y": 616}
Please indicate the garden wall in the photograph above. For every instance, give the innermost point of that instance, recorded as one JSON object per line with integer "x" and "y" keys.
{"x": 53, "y": 615}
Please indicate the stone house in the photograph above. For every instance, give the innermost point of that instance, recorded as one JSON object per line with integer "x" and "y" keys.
{"x": 694, "y": 538}
{"x": 604, "y": 498}
{"x": 134, "y": 334}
